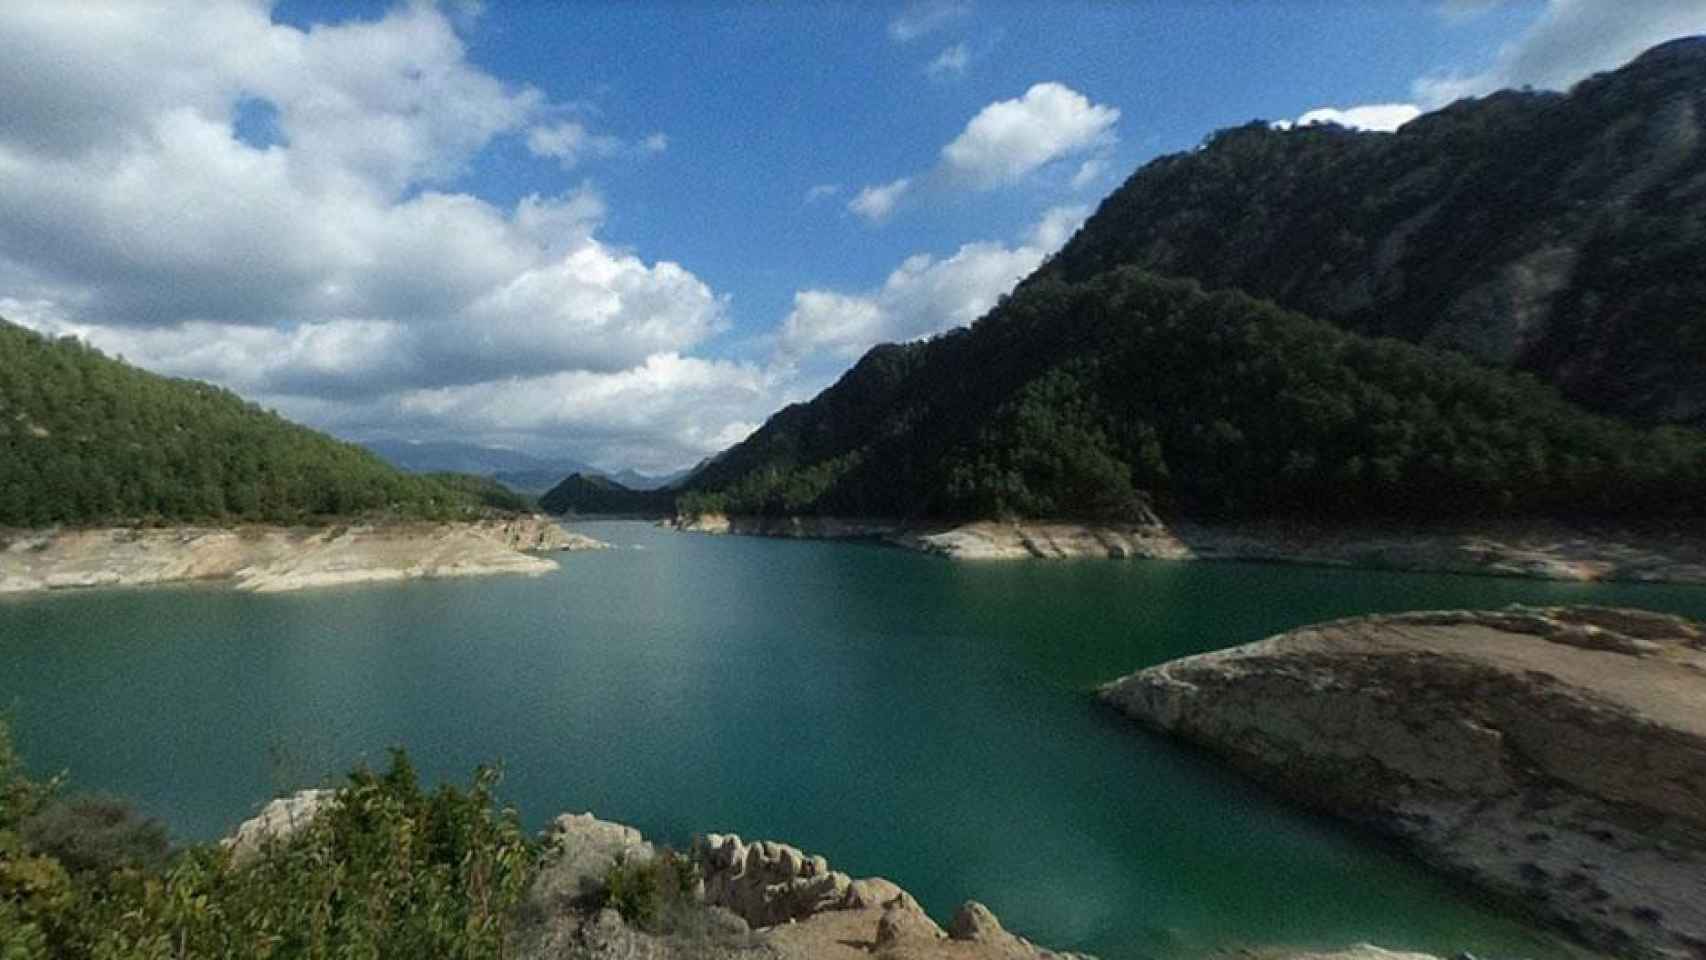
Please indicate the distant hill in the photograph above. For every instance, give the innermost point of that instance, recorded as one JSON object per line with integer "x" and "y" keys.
{"x": 85, "y": 439}
{"x": 581, "y": 493}
{"x": 519, "y": 471}
{"x": 1105, "y": 399}
{"x": 1559, "y": 234}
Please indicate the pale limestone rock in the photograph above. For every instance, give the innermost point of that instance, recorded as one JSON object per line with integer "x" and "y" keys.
{"x": 270, "y": 558}
{"x": 1556, "y": 756}
{"x": 1541, "y": 551}
{"x": 904, "y": 922}
{"x": 278, "y": 821}
{"x": 580, "y": 852}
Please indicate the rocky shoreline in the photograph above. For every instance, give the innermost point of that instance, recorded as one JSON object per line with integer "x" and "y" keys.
{"x": 270, "y": 559}
{"x": 750, "y": 900}
{"x": 1554, "y": 757}
{"x": 1538, "y": 552}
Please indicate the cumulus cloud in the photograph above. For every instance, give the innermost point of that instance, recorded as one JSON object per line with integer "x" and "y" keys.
{"x": 328, "y": 272}
{"x": 1384, "y": 117}
{"x": 640, "y": 416}
{"x": 1570, "y": 40}
{"x": 876, "y": 203}
{"x": 1006, "y": 141}
{"x": 951, "y": 62}
{"x": 1010, "y": 138}
{"x": 922, "y": 296}
{"x": 926, "y": 17}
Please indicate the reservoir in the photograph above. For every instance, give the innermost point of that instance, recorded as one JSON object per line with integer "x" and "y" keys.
{"x": 903, "y": 715}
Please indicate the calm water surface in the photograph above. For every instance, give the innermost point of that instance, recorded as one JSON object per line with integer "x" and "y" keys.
{"x": 925, "y": 720}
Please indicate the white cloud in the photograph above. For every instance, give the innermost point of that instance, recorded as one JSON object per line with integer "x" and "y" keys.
{"x": 1006, "y": 141}
{"x": 822, "y": 191}
{"x": 920, "y": 297}
{"x": 640, "y": 416}
{"x": 655, "y": 143}
{"x": 1384, "y": 117}
{"x": 328, "y": 274}
{"x": 1570, "y": 40}
{"x": 1057, "y": 226}
{"x": 1011, "y": 138}
{"x": 569, "y": 141}
{"x": 876, "y": 204}
{"x": 925, "y": 17}
{"x": 1088, "y": 171}
{"x": 951, "y": 62}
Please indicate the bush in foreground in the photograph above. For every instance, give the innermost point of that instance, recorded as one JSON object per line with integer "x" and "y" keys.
{"x": 389, "y": 870}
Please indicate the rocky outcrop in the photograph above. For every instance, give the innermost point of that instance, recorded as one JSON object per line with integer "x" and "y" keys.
{"x": 277, "y": 822}
{"x": 580, "y": 852}
{"x": 270, "y": 558}
{"x": 753, "y": 899}
{"x": 1556, "y": 756}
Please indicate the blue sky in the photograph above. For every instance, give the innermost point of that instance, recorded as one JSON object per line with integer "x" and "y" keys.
{"x": 628, "y": 232}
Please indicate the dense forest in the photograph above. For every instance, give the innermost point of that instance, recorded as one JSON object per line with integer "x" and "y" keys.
{"x": 1127, "y": 392}
{"x": 87, "y": 439}
{"x": 581, "y": 493}
{"x": 1560, "y": 234}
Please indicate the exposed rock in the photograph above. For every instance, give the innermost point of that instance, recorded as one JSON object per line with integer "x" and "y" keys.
{"x": 1556, "y": 756}
{"x": 760, "y": 899}
{"x": 768, "y": 883}
{"x": 1538, "y": 551}
{"x": 580, "y": 851}
{"x": 277, "y": 822}
{"x": 271, "y": 559}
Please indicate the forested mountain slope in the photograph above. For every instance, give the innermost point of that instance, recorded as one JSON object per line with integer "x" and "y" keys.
{"x": 1561, "y": 234}
{"x": 1540, "y": 253}
{"x": 85, "y": 439}
{"x": 1101, "y": 399}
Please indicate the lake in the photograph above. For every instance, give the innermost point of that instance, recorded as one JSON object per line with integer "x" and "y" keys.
{"x": 903, "y": 715}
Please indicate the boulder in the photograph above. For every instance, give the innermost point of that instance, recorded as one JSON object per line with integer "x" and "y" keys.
{"x": 277, "y": 822}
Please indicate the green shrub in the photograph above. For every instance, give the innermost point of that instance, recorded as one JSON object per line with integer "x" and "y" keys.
{"x": 653, "y": 895}
{"x": 388, "y": 870}
{"x": 95, "y": 834}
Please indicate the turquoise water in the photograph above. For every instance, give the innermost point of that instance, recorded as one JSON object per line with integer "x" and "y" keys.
{"x": 925, "y": 720}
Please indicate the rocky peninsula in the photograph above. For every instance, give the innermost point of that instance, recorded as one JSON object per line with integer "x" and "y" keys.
{"x": 1538, "y": 552}
{"x": 1555, "y": 757}
{"x": 274, "y": 558}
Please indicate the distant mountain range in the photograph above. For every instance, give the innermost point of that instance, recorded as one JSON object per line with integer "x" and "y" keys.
{"x": 1541, "y": 253}
{"x": 519, "y": 471}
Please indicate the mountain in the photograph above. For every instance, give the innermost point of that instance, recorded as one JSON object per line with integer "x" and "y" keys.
{"x": 1105, "y": 399}
{"x": 1558, "y": 234}
{"x": 592, "y": 493}
{"x": 85, "y": 440}
{"x": 513, "y": 468}
{"x": 1510, "y": 321}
